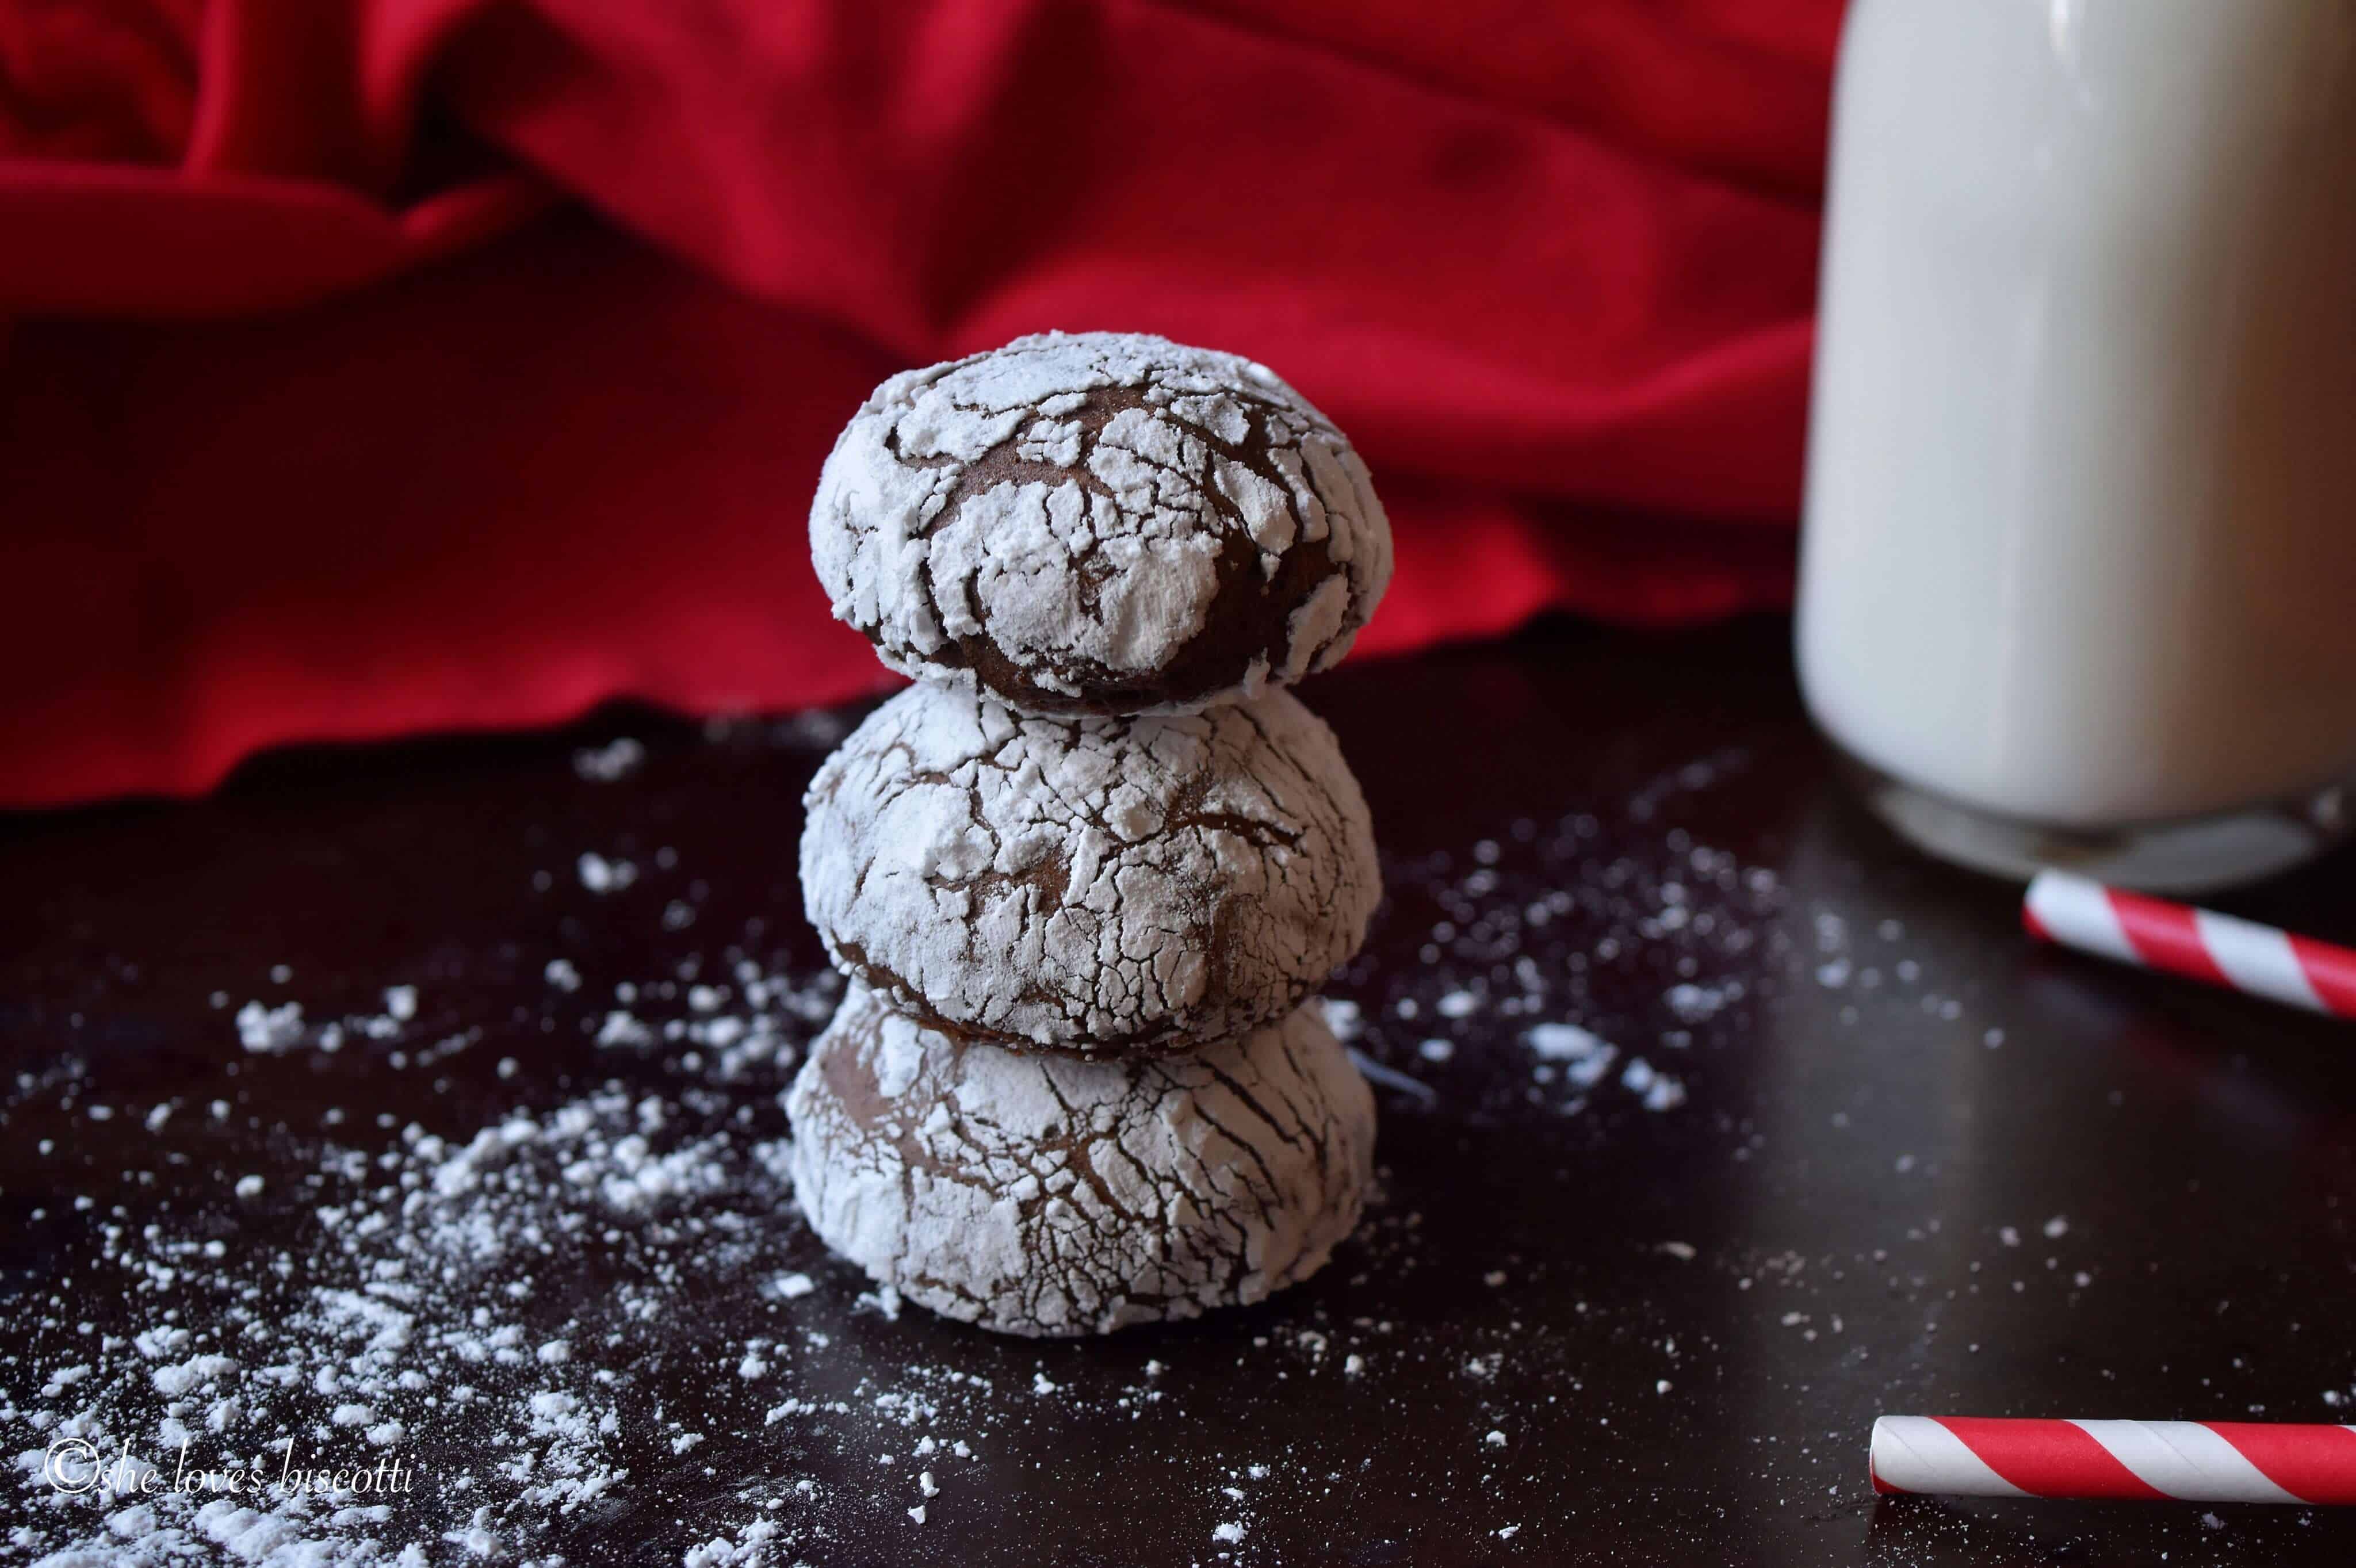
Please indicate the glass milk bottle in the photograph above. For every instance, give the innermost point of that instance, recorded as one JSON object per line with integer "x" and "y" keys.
{"x": 2078, "y": 572}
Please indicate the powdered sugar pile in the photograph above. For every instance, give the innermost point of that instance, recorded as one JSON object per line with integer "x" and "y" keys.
{"x": 437, "y": 1293}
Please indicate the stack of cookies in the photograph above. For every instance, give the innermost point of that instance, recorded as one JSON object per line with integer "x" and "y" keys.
{"x": 1085, "y": 875}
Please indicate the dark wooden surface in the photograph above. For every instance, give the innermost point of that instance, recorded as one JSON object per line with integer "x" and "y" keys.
{"x": 1681, "y": 1320}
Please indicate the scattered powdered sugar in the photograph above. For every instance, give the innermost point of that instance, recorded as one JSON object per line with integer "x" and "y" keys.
{"x": 1654, "y": 1090}
{"x": 617, "y": 759}
{"x": 442, "y": 1288}
{"x": 1698, "y": 1003}
{"x": 273, "y": 1031}
{"x": 1585, "y": 1057}
{"x": 600, "y": 875}
{"x": 1532, "y": 938}
{"x": 441, "y": 1294}
{"x": 623, "y": 1029}
{"x": 264, "y": 1028}
{"x": 756, "y": 1021}
{"x": 415, "y": 1307}
{"x": 592, "y": 1308}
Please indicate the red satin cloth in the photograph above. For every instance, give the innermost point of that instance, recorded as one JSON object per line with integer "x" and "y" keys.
{"x": 435, "y": 364}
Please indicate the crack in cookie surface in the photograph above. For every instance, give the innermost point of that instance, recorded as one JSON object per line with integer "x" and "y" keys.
{"x": 1099, "y": 522}
{"x": 1098, "y": 885}
{"x": 1042, "y": 1194}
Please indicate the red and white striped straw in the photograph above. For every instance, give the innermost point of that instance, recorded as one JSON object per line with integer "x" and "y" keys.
{"x": 2192, "y": 1461}
{"x": 2200, "y": 944}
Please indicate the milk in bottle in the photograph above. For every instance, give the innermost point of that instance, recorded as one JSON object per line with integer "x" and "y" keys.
{"x": 2078, "y": 576}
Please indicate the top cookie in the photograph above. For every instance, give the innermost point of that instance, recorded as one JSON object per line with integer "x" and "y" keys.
{"x": 1099, "y": 522}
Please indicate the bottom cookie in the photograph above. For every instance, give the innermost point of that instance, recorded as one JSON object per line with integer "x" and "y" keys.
{"x": 1044, "y": 1195}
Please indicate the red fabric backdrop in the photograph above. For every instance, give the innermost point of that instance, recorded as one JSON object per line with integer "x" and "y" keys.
{"x": 375, "y": 367}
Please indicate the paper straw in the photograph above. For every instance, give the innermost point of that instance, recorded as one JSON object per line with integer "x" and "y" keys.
{"x": 2200, "y": 944}
{"x": 2191, "y": 1461}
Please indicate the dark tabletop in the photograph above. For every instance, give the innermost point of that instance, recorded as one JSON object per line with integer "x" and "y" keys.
{"x": 1882, "y": 1156}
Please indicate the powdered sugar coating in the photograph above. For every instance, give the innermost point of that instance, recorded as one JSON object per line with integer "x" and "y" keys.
{"x": 1041, "y": 1195}
{"x": 1095, "y": 886}
{"x": 1108, "y": 522}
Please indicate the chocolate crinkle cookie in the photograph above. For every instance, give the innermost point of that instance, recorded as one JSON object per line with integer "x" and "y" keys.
{"x": 1042, "y": 1194}
{"x": 1103, "y": 522}
{"x": 1094, "y": 886}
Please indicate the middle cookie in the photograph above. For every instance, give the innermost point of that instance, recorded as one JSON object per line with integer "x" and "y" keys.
{"x": 1095, "y": 886}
